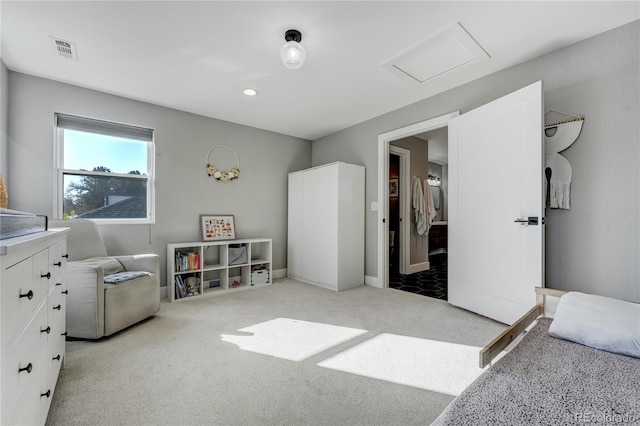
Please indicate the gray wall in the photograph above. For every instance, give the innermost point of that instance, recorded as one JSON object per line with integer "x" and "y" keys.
{"x": 258, "y": 200}
{"x": 436, "y": 170}
{"x": 445, "y": 193}
{"x": 4, "y": 119}
{"x": 418, "y": 244}
{"x": 594, "y": 247}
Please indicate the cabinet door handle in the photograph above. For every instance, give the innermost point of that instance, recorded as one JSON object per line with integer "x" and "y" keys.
{"x": 57, "y": 307}
{"x": 46, "y": 330}
{"x": 56, "y": 358}
{"x": 65, "y": 292}
{"x": 63, "y": 334}
{"x": 28, "y": 369}
{"x": 47, "y": 394}
{"x": 57, "y": 284}
{"x": 28, "y": 295}
{"x": 47, "y": 275}
{"x": 66, "y": 256}
{"x": 58, "y": 264}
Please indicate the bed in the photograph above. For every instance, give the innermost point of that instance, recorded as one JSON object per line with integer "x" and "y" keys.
{"x": 545, "y": 380}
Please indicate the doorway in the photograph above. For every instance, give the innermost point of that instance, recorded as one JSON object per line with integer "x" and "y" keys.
{"x": 425, "y": 270}
{"x": 395, "y": 237}
{"x": 399, "y": 199}
{"x": 384, "y": 141}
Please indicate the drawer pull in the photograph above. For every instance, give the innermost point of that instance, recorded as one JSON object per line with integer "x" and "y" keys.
{"x": 65, "y": 292}
{"x": 59, "y": 264}
{"x": 63, "y": 334}
{"x": 46, "y": 330}
{"x": 28, "y": 369}
{"x": 66, "y": 256}
{"x": 28, "y": 295}
{"x": 57, "y": 307}
{"x": 47, "y": 275}
{"x": 56, "y": 358}
{"x": 47, "y": 394}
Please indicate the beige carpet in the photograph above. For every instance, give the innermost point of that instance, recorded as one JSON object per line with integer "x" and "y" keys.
{"x": 286, "y": 354}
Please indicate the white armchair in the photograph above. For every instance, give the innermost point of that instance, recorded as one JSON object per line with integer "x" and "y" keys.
{"x": 96, "y": 308}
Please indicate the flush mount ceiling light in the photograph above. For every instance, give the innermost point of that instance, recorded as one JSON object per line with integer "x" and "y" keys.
{"x": 250, "y": 92}
{"x": 292, "y": 54}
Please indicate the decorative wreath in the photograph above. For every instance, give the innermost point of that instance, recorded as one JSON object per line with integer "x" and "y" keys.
{"x": 222, "y": 175}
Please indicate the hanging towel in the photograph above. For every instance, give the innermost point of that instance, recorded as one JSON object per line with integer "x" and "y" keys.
{"x": 419, "y": 208}
{"x": 430, "y": 205}
{"x": 559, "y": 182}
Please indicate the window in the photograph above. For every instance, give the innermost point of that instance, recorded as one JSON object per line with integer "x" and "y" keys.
{"x": 104, "y": 171}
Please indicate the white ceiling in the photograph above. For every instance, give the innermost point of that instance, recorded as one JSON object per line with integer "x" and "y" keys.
{"x": 199, "y": 56}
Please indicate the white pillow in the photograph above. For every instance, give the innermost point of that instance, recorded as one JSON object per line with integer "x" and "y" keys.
{"x": 599, "y": 322}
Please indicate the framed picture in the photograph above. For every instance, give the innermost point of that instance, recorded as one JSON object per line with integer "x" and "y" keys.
{"x": 217, "y": 227}
{"x": 393, "y": 187}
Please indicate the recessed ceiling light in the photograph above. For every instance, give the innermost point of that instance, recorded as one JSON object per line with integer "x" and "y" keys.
{"x": 250, "y": 92}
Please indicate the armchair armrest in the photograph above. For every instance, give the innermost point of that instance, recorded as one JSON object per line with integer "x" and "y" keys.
{"x": 140, "y": 262}
{"x": 85, "y": 300}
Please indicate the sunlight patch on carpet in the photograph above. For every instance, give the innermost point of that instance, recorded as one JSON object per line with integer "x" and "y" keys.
{"x": 426, "y": 364}
{"x": 291, "y": 339}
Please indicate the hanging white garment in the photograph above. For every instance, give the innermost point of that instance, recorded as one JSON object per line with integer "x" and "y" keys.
{"x": 430, "y": 205}
{"x": 419, "y": 208}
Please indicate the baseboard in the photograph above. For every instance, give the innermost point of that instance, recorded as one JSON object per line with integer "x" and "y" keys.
{"x": 279, "y": 273}
{"x": 418, "y": 267}
{"x": 372, "y": 281}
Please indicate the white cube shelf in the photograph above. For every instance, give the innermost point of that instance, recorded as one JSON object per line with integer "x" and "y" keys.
{"x": 211, "y": 263}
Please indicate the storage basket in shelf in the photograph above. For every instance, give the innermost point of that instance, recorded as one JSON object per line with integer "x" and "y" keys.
{"x": 238, "y": 255}
{"x": 260, "y": 277}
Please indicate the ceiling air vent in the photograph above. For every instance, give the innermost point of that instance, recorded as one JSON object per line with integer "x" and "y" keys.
{"x": 63, "y": 48}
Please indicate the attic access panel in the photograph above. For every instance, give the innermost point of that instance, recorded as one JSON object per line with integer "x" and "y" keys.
{"x": 437, "y": 55}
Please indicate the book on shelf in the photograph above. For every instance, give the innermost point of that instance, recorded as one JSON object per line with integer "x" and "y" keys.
{"x": 187, "y": 261}
{"x": 177, "y": 293}
{"x": 181, "y": 289}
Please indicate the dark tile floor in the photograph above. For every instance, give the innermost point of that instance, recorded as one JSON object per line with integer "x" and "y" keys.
{"x": 432, "y": 283}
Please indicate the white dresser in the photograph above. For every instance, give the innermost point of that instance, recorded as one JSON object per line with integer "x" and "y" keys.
{"x": 32, "y": 321}
{"x": 326, "y": 226}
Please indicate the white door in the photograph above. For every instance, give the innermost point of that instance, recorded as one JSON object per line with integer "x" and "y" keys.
{"x": 320, "y": 225}
{"x": 311, "y": 219}
{"x": 327, "y": 225}
{"x": 294, "y": 243}
{"x": 495, "y": 180}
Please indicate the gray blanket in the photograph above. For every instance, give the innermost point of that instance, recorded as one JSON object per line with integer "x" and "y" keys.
{"x": 548, "y": 381}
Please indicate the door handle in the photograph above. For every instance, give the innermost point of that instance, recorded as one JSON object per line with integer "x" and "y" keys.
{"x": 531, "y": 220}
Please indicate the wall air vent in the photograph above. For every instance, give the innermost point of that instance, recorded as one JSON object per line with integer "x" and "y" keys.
{"x": 63, "y": 48}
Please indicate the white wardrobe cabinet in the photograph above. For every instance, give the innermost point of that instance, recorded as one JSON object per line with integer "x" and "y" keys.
{"x": 326, "y": 226}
